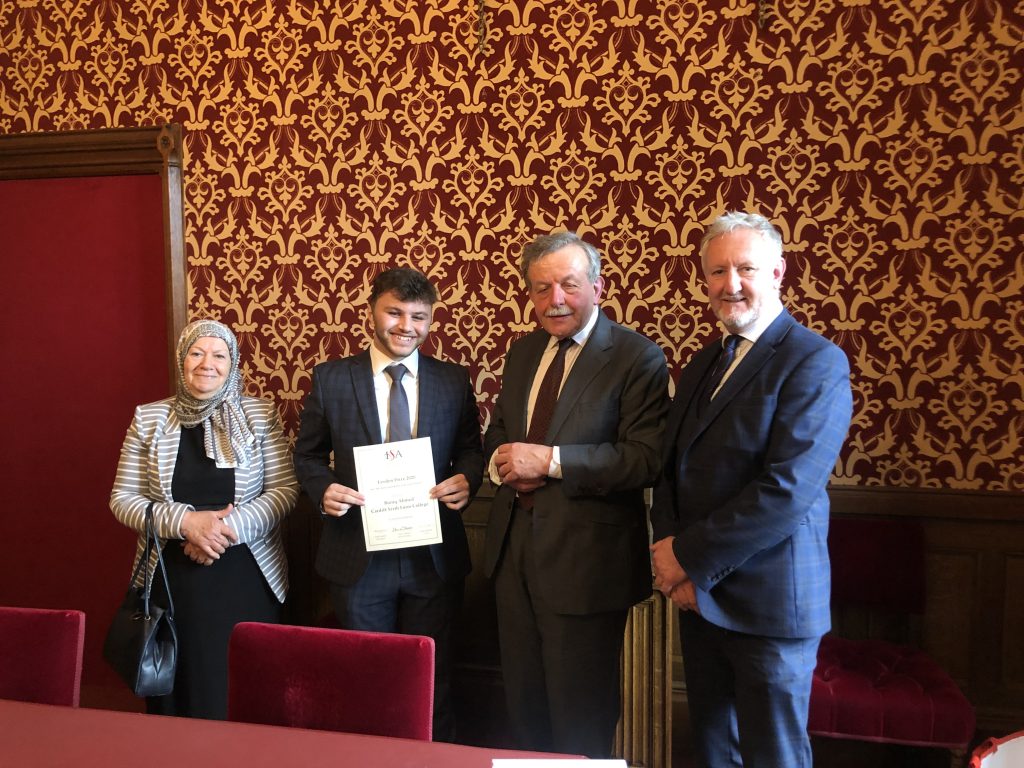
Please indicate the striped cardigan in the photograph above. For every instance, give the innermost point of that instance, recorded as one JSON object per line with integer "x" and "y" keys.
{"x": 265, "y": 491}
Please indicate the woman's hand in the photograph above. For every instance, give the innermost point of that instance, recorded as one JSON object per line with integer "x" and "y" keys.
{"x": 195, "y": 554}
{"x": 208, "y": 533}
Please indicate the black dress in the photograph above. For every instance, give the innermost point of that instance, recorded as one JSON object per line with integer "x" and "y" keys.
{"x": 208, "y": 599}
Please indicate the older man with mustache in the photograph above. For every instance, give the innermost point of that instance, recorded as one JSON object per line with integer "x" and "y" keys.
{"x": 574, "y": 439}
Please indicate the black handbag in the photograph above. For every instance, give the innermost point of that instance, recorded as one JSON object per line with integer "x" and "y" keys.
{"x": 142, "y": 642}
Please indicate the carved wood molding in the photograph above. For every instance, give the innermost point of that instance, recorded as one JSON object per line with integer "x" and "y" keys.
{"x": 935, "y": 503}
{"x": 106, "y": 152}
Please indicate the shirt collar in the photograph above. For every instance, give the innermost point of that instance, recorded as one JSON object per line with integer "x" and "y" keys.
{"x": 753, "y": 332}
{"x": 379, "y": 361}
{"x": 581, "y": 336}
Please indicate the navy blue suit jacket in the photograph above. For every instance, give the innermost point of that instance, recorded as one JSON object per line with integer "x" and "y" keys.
{"x": 340, "y": 413}
{"x": 744, "y": 485}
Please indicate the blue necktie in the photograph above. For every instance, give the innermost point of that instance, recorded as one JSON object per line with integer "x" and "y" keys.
{"x": 725, "y": 358}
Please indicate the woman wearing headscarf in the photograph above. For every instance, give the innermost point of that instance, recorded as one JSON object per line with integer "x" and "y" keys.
{"x": 216, "y": 468}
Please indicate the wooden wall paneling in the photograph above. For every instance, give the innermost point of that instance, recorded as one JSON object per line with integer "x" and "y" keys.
{"x": 1012, "y": 635}
{"x": 954, "y": 578}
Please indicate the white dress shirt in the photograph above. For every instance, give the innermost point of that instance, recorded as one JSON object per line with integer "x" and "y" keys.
{"x": 747, "y": 339}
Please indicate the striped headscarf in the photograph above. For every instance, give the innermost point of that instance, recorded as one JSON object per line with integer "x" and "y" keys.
{"x": 228, "y": 439}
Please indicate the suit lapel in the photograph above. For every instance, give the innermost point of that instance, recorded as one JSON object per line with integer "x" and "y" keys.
{"x": 751, "y": 364}
{"x": 594, "y": 356}
{"x": 366, "y": 398}
{"x": 679, "y": 428}
{"x": 427, "y": 399}
{"x": 167, "y": 451}
{"x": 749, "y": 367}
{"x": 518, "y": 384}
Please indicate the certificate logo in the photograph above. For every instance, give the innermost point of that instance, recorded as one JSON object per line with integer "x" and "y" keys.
{"x": 391, "y": 454}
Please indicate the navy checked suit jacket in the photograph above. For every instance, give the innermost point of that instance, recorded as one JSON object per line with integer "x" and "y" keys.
{"x": 744, "y": 485}
{"x": 340, "y": 413}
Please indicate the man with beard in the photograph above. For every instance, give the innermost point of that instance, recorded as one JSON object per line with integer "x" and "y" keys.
{"x": 740, "y": 513}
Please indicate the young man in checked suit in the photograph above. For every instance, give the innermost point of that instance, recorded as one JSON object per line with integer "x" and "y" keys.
{"x": 416, "y": 590}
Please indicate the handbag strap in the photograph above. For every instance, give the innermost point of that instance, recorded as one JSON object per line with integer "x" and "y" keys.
{"x": 152, "y": 542}
{"x": 143, "y": 561}
{"x": 163, "y": 569}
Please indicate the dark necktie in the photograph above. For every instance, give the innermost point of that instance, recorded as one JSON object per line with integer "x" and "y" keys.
{"x": 399, "y": 423}
{"x": 725, "y": 358}
{"x": 547, "y": 395}
{"x": 544, "y": 407}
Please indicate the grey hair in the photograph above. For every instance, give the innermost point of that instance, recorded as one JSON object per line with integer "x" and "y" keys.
{"x": 733, "y": 220}
{"x": 545, "y": 244}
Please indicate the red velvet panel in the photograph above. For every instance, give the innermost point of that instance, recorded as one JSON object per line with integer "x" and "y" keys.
{"x": 877, "y": 564}
{"x": 84, "y": 340}
{"x": 41, "y": 655}
{"x": 331, "y": 679}
{"x": 872, "y": 690}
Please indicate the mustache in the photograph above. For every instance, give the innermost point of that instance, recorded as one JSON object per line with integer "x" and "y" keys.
{"x": 558, "y": 312}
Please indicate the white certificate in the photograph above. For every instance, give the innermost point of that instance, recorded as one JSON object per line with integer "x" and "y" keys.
{"x": 396, "y": 479}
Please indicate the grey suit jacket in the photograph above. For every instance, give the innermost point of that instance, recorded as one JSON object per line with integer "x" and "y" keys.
{"x": 590, "y": 527}
{"x": 340, "y": 413}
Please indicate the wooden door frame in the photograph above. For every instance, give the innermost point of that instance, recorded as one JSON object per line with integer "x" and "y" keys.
{"x": 117, "y": 152}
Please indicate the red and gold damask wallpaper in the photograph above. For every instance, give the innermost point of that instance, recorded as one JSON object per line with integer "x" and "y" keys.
{"x": 326, "y": 141}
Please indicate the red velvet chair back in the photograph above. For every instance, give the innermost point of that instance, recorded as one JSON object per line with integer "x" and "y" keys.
{"x": 41, "y": 655}
{"x": 331, "y": 679}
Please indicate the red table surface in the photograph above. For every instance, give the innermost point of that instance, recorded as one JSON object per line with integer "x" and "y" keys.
{"x": 34, "y": 735}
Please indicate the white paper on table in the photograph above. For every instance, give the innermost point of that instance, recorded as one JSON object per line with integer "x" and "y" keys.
{"x": 551, "y": 762}
{"x": 396, "y": 479}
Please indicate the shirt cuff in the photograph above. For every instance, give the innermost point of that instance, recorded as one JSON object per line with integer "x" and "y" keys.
{"x": 555, "y": 467}
{"x": 492, "y": 472}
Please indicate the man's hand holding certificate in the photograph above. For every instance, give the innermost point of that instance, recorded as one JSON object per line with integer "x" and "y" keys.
{"x": 396, "y": 479}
